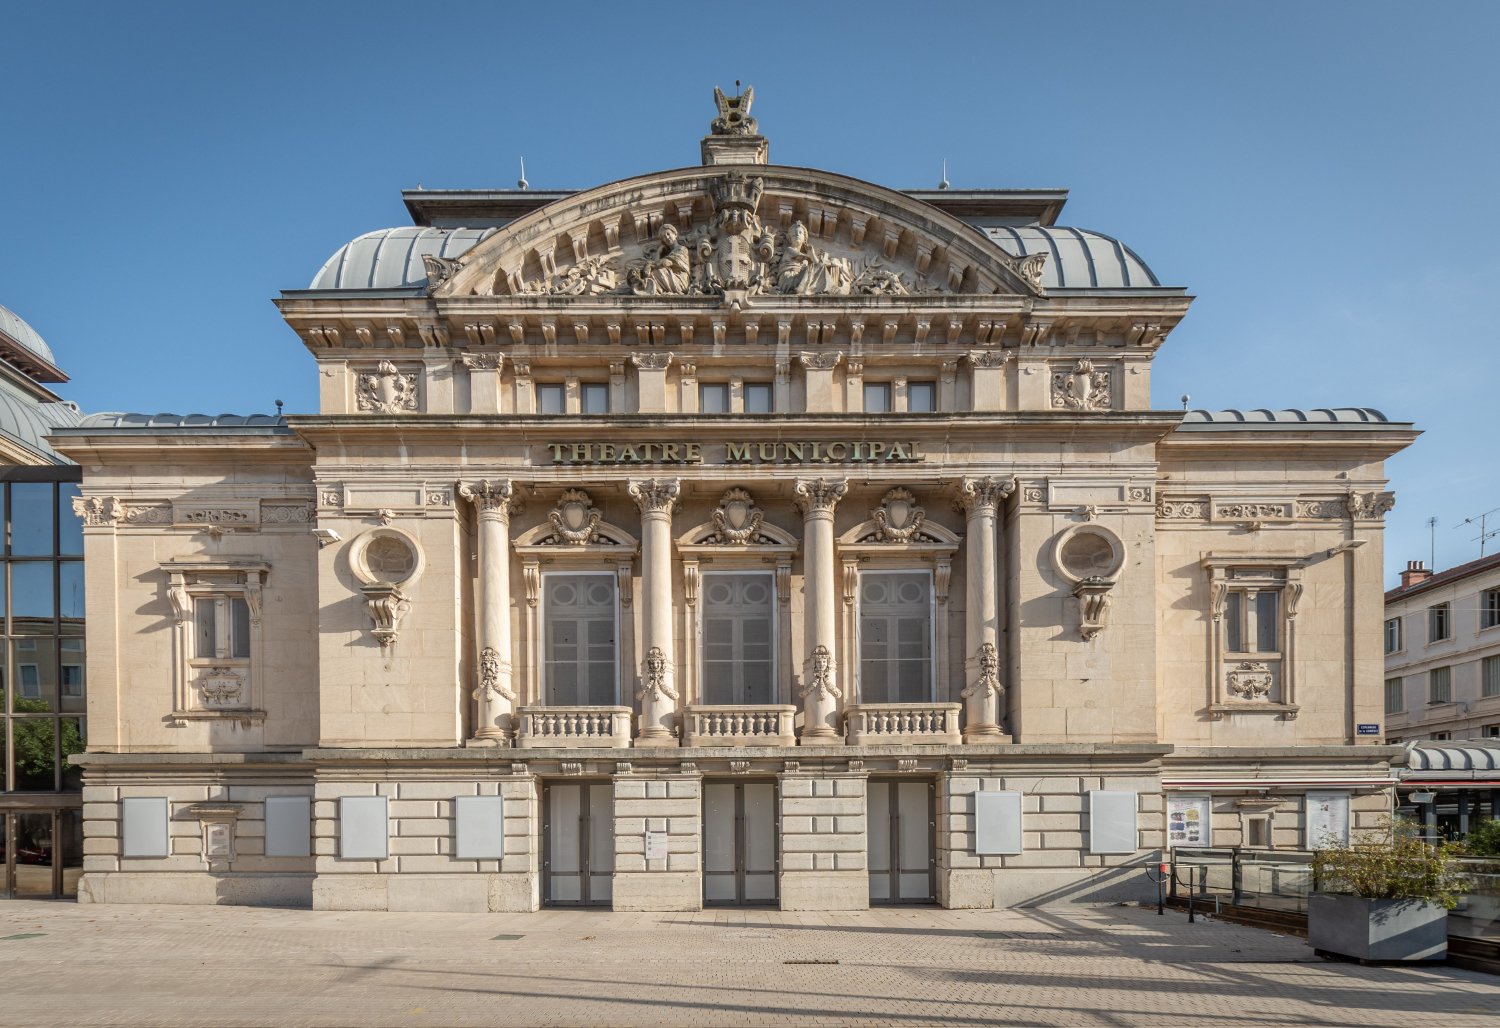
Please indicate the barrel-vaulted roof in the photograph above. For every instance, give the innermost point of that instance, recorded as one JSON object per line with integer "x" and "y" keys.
{"x": 392, "y": 257}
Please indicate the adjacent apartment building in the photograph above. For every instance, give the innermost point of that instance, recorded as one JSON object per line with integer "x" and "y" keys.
{"x": 735, "y": 534}
{"x": 1442, "y": 653}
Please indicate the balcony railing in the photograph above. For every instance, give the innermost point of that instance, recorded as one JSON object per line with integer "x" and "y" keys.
{"x": 874, "y": 724}
{"x": 573, "y": 726}
{"x": 751, "y": 724}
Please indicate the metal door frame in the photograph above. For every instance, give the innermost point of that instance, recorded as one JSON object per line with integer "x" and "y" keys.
{"x": 59, "y": 859}
{"x": 739, "y": 843}
{"x": 895, "y": 899}
{"x": 585, "y": 824}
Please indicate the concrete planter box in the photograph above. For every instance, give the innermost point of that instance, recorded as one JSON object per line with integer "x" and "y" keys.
{"x": 1377, "y": 929}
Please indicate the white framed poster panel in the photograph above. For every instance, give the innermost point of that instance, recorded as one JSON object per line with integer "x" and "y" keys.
{"x": 1188, "y": 821}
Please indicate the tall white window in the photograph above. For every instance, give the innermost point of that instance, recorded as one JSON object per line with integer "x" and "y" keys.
{"x": 1440, "y": 684}
{"x": 221, "y": 628}
{"x": 580, "y": 630}
{"x": 738, "y": 634}
{"x": 1393, "y": 635}
{"x": 1395, "y": 697}
{"x": 1489, "y": 608}
{"x": 1439, "y": 622}
{"x": 895, "y": 637}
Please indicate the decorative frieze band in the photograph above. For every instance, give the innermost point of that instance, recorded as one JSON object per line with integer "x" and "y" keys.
{"x": 1358, "y": 506}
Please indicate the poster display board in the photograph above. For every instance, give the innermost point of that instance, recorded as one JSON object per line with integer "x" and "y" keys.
{"x": 1188, "y": 821}
{"x": 1327, "y": 819}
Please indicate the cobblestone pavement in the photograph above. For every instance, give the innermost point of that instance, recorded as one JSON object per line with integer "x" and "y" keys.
{"x": 64, "y": 964}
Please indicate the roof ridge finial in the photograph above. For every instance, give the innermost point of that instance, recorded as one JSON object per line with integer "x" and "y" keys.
{"x": 523, "y": 184}
{"x": 944, "y": 184}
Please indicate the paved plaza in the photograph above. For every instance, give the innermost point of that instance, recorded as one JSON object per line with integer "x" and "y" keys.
{"x": 66, "y": 964}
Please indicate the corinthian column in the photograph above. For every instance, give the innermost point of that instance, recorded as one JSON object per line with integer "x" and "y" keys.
{"x": 980, "y": 499}
{"x": 817, "y": 498}
{"x": 495, "y": 694}
{"x": 657, "y": 499}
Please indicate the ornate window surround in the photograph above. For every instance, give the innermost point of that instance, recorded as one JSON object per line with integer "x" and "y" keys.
{"x": 1282, "y": 573}
{"x": 537, "y": 547}
{"x": 859, "y": 551}
{"x": 218, "y": 579}
{"x": 695, "y": 549}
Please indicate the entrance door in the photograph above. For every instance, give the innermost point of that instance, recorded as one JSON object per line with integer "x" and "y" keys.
{"x": 41, "y": 853}
{"x": 902, "y": 827}
{"x": 739, "y": 843}
{"x": 578, "y": 832}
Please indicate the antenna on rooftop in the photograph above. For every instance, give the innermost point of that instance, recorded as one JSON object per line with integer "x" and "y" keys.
{"x": 736, "y": 89}
{"x": 1484, "y": 535}
{"x": 944, "y": 184}
{"x": 523, "y": 184}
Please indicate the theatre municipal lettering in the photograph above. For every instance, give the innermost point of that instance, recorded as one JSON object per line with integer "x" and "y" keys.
{"x": 737, "y": 534}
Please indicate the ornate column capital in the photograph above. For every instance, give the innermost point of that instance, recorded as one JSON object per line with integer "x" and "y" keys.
{"x": 495, "y": 501}
{"x": 820, "y": 361}
{"x": 651, "y": 361}
{"x": 819, "y": 496}
{"x": 655, "y": 496}
{"x": 980, "y": 497}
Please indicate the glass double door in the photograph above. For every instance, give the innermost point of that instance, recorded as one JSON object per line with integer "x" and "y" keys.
{"x": 902, "y": 832}
{"x": 739, "y": 843}
{"x": 41, "y": 853}
{"x": 578, "y": 828}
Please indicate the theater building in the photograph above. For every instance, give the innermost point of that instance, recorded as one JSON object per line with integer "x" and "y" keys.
{"x": 737, "y": 534}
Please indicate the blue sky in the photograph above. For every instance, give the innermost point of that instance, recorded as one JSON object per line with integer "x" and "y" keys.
{"x": 1321, "y": 176}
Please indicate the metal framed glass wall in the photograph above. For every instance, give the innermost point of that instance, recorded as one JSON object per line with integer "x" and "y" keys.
{"x": 43, "y": 682}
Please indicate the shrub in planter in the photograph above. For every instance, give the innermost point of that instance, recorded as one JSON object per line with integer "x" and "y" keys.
{"x": 1384, "y": 897}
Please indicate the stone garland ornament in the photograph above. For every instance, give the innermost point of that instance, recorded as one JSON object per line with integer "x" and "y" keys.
{"x": 1182, "y": 509}
{"x": 221, "y": 687}
{"x": 898, "y": 518}
{"x": 1251, "y": 681}
{"x": 736, "y": 520}
{"x": 575, "y": 518}
{"x": 387, "y": 390}
{"x": 982, "y": 698}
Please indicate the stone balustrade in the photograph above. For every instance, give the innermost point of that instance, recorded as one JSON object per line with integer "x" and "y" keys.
{"x": 873, "y": 724}
{"x": 750, "y": 724}
{"x": 573, "y": 726}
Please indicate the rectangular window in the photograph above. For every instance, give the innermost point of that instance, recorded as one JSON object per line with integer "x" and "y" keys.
{"x": 895, "y": 637}
{"x": 713, "y": 398}
{"x": 1489, "y": 608}
{"x": 921, "y": 397}
{"x": 1490, "y": 732}
{"x": 31, "y": 518}
{"x": 1439, "y": 622}
{"x": 737, "y": 638}
{"x": 877, "y": 397}
{"x": 1440, "y": 680}
{"x": 1393, "y": 635}
{"x": 1440, "y": 736}
{"x": 580, "y": 640}
{"x": 593, "y": 398}
{"x": 1489, "y": 677}
{"x": 239, "y": 628}
{"x": 758, "y": 398}
{"x": 1265, "y": 621}
{"x": 549, "y": 399}
{"x": 1234, "y": 620}
{"x": 205, "y": 629}
{"x": 1395, "y": 696}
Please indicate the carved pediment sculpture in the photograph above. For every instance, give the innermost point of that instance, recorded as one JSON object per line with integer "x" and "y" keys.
{"x": 1083, "y": 388}
{"x": 387, "y": 390}
{"x": 575, "y": 519}
{"x": 595, "y": 275}
{"x": 1251, "y": 680}
{"x": 737, "y": 520}
{"x": 734, "y": 114}
{"x": 898, "y": 517}
{"x": 665, "y": 270}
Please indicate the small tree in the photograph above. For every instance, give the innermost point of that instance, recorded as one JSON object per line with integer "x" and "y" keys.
{"x": 1484, "y": 841}
{"x": 1391, "y": 861}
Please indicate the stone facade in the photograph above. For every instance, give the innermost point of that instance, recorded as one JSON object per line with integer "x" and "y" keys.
{"x": 732, "y": 474}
